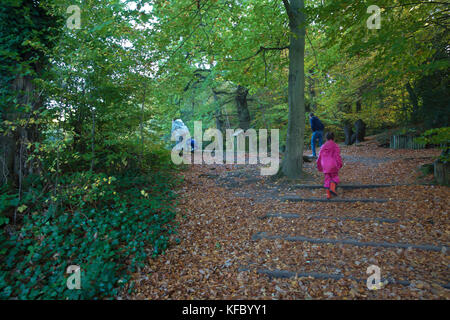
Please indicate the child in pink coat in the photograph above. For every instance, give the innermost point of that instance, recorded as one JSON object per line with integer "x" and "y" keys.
{"x": 329, "y": 162}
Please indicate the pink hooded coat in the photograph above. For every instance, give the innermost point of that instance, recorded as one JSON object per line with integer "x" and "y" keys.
{"x": 329, "y": 160}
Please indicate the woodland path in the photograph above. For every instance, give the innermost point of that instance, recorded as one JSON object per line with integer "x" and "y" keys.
{"x": 246, "y": 236}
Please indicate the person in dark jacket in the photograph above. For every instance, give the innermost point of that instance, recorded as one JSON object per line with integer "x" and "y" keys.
{"x": 317, "y": 129}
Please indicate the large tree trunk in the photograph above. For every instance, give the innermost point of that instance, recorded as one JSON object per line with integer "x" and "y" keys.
{"x": 242, "y": 108}
{"x": 218, "y": 113}
{"x": 358, "y": 105}
{"x": 348, "y": 132}
{"x": 31, "y": 21}
{"x": 7, "y": 149}
{"x": 360, "y": 128}
{"x": 414, "y": 101}
{"x": 13, "y": 150}
{"x": 293, "y": 161}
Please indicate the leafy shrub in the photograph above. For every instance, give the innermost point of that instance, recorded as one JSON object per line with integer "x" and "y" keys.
{"x": 106, "y": 225}
{"x": 439, "y": 137}
{"x": 7, "y": 201}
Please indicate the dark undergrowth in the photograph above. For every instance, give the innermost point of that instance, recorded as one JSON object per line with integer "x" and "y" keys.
{"x": 108, "y": 225}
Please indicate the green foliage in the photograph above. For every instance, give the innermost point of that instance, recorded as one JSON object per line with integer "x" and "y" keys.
{"x": 97, "y": 184}
{"x": 7, "y": 200}
{"x": 352, "y": 72}
{"x": 436, "y": 136}
{"x": 92, "y": 142}
{"x": 108, "y": 225}
{"x": 439, "y": 137}
{"x": 26, "y": 33}
{"x": 397, "y": 73}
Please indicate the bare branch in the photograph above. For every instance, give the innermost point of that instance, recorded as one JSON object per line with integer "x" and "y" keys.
{"x": 261, "y": 49}
{"x": 417, "y": 3}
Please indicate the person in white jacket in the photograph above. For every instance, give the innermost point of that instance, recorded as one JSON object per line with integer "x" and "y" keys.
{"x": 180, "y": 131}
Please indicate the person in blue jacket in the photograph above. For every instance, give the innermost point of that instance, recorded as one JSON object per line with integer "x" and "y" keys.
{"x": 317, "y": 129}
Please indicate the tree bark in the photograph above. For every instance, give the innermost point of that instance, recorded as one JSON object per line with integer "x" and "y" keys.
{"x": 13, "y": 144}
{"x": 141, "y": 125}
{"x": 358, "y": 106}
{"x": 218, "y": 113}
{"x": 242, "y": 107}
{"x": 293, "y": 161}
{"x": 413, "y": 99}
{"x": 360, "y": 127}
{"x": 348, "y": 131}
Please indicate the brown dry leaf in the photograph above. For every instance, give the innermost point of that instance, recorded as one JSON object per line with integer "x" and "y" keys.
{"x": 217, "y": 257}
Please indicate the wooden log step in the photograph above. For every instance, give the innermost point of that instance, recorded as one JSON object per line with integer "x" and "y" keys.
{"x": 326, "y": 276}
{"x": 316, "y": 275}
{"x": 295, "y": 216}
{"x": 298, "y": 199}
{"x": 208, "y": 175}
{"x": 347, "y": 186}
{"x": 427, "y": 247}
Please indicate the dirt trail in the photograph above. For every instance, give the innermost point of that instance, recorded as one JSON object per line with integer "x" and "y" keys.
{"x": 240, "y": 240}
